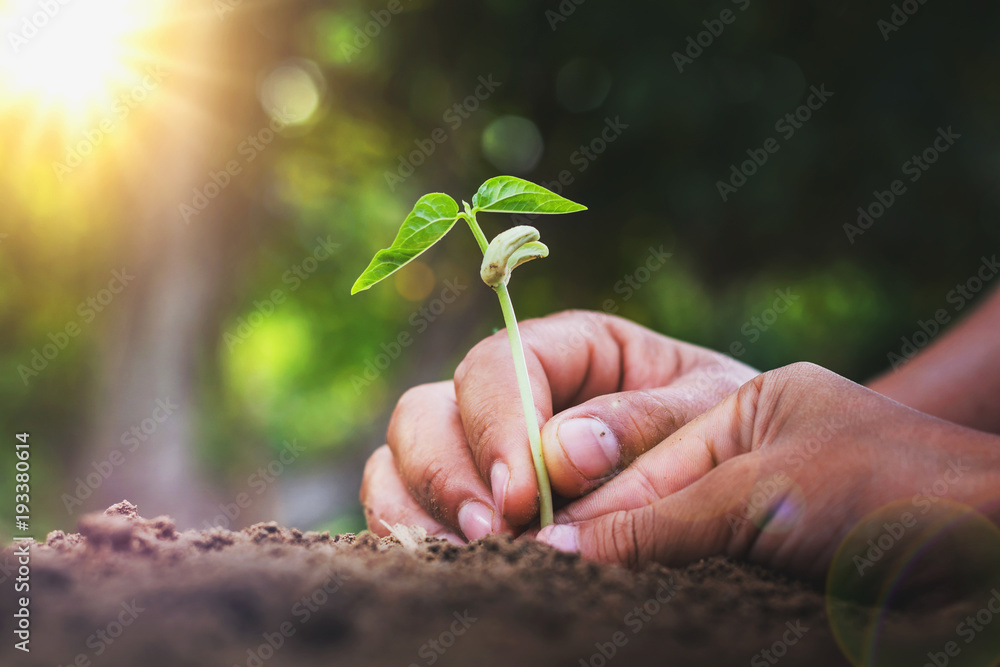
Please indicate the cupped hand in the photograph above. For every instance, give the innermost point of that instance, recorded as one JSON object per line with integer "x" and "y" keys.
{"x": 606, "y": 390}
{"x": 780, "y": 473}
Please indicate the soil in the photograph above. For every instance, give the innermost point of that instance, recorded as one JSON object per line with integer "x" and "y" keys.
{"x": 136, "y": 592}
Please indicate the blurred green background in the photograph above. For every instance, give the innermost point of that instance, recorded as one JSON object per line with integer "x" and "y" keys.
{"x": 258, "y": 345}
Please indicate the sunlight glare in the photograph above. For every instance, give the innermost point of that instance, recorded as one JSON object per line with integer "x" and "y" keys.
{"x": 69, "y": 53}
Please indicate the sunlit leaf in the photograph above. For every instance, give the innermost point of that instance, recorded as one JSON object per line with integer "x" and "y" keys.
{"x": 431, "y": 218}
{"x": 506, "y": 194}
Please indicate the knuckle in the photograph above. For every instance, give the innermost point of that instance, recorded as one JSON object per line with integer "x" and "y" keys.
{"x": 542, "y": 332}
{"x": 643, "y": 486}
{"x": 620, "y": 543}
{"x": 568, "y": 314}
{"x": 488, "y": 434}
{"x": 805, "y": 370}
{"x": 481, "y": 351}
{"x": 751, "y": 416}
{"x": 409, "y": 409}
{"x": 411, "y": 397}
{"x": 660, "y": 416}
{"x": 428, "y": 487}
{"x": 371, "y": 467}
{"x": 749, "y": 393}
{"x": 762, "y": 396}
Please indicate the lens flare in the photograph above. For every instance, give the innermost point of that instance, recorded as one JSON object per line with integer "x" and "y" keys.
{"x": 887, "y": 561}
{"x": 70, "y": 54}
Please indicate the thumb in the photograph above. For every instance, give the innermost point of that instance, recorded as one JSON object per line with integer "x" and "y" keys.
{"x": 705, "y": 519}
{"x": 585, "y": 445}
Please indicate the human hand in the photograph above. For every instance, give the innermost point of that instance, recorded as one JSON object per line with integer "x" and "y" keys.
{"x": 780, "y": 473}
{"x": 458, "y": 462}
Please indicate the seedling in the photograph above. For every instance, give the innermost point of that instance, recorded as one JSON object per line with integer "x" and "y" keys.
{"x": 432, "y": 217}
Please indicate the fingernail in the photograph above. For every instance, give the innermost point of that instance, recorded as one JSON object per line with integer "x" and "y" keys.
{"x": 590, "y": 446}
{"x": 475, "y": 520}
{"x": 561, "y": 537}
{"x": 499, "y": 479}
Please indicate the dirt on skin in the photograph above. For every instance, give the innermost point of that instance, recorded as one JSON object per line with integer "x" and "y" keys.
{"x": 136, "y": 592}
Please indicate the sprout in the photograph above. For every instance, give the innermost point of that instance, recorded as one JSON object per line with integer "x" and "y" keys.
{"x": 432, "y": 217}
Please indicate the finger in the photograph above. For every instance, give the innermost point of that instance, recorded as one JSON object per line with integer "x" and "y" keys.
{"x": 385, "y": 498}
{"x": 691, "y": 524}
{"x": 721, "y": 434}
{"x": 428, "y": 443}
{"x": 587, "y": 444}
{"x": 571, "y": 357}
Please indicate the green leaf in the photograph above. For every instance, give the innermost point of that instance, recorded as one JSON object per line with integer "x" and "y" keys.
{"x": 431, "y": 218}
{"x": 506, "y": 194}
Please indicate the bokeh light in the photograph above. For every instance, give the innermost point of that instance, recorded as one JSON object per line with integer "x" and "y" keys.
{"x": 885, "y": 562}
{"x": 292, "y": 92}
{"x": 512, "y": 144}
{"x": 415, "y": 281}
{"x": 582, "y": 84}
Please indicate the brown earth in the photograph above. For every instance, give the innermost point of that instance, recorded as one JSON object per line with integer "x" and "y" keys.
{"x": 138, "y": 593}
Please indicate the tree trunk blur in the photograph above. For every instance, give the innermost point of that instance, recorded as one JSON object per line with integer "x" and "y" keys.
{"x": 166, "y": 322}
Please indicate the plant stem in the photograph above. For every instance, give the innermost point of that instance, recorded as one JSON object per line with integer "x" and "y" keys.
{"x": 528, "y": 404}
{"x": 470, "y": 217}
{"x": 523, "y": 383}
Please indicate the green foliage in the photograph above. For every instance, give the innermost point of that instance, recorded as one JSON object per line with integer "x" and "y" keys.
{"x": 435, "y": 214}
{"x": 431, "y": 218}
{"x": 654, "y": 185}
{"x": 506, "y": 194}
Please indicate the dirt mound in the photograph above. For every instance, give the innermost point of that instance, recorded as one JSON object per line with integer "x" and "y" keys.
{"x": 131, "y": 591}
